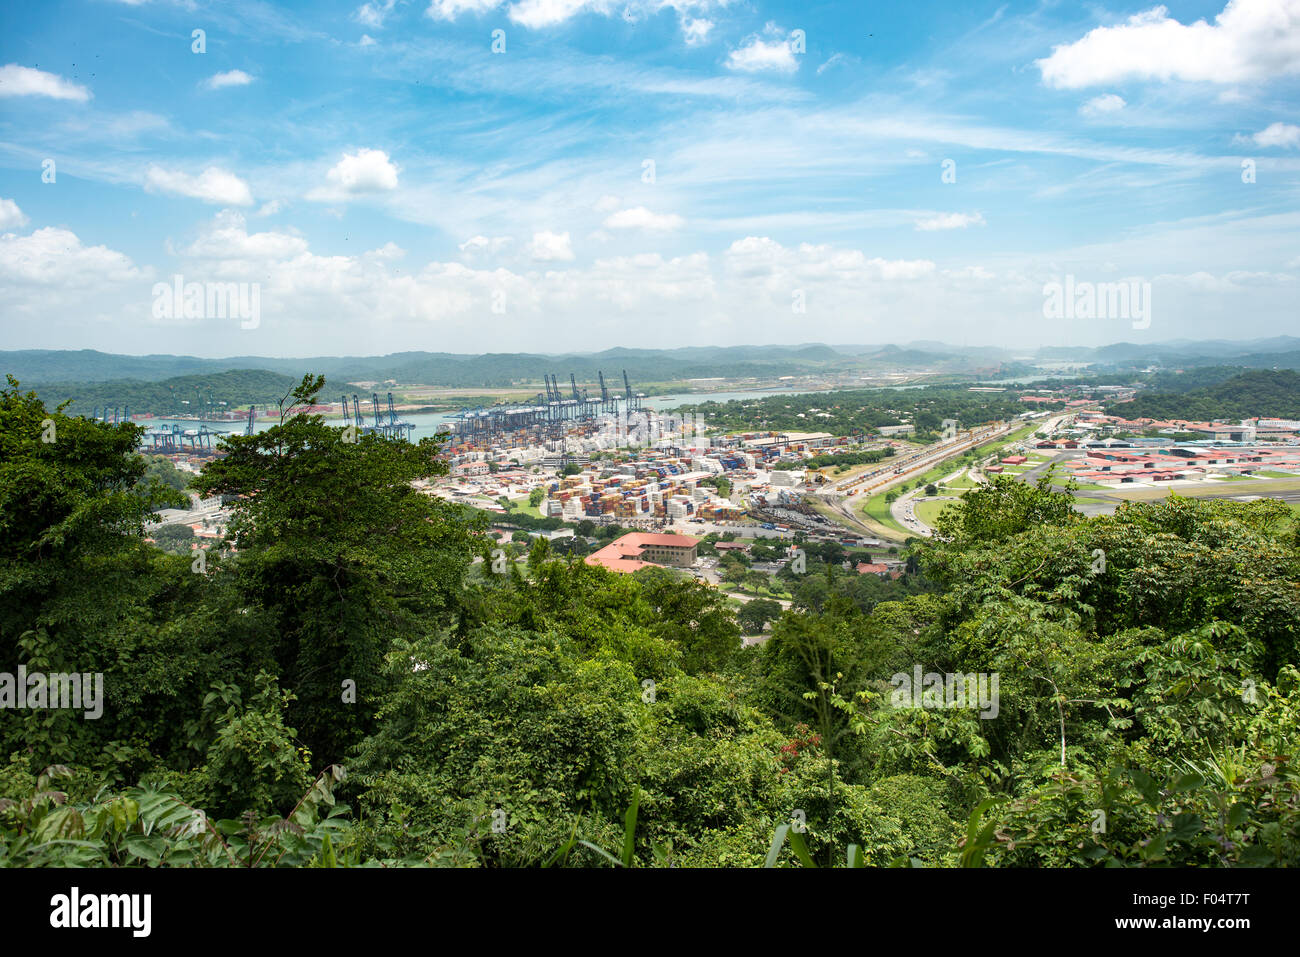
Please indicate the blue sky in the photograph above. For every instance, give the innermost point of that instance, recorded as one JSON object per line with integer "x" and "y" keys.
{"x": 392, "y": 183}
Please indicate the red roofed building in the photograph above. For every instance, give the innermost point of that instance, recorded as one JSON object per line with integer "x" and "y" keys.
{"x": 874, "y": 568}
{"x": 642, "y": 549}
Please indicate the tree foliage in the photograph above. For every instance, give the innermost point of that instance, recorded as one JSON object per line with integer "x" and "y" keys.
{"x": 349, "y": 679}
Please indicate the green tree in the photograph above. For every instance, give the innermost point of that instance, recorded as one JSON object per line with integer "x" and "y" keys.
{"x": 692, "y": 615}
{"x": 159, "y": 468}
{"x": 754, "y": 615}
{"x": 175, "y": 539}
{"x": 80, "y": 590}
{"x": 340, "y": 555}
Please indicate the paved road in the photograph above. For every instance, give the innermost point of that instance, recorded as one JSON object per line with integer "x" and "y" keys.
{"x": 904, "y": 507}
{"x": 872, "y": 483}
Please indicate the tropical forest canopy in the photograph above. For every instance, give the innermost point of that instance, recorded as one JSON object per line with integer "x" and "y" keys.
{"x": 347, "y": 681}
{"x": 1270, "y": 393}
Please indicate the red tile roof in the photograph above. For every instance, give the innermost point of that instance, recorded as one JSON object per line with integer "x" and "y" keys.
{"x": 622, "y": 554}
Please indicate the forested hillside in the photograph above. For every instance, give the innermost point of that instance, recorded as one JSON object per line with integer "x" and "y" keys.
{"x": 181, "y": 395}
{"x": 492, "y": 370}
{"x": 349, "y": 683}
{"x": 1272, "y": 393}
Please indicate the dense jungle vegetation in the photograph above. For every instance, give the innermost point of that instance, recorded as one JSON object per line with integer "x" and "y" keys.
{"x": 349, "y": 683}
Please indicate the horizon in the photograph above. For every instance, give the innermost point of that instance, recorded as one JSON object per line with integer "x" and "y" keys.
{"x": 902, "y": 346}
{"x": 651, "y": 173}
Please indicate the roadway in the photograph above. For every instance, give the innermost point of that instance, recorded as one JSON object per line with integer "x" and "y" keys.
{"x": 836, "y": 495}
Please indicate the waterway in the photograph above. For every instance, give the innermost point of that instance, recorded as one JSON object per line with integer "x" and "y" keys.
{"x": 429, "y": 424}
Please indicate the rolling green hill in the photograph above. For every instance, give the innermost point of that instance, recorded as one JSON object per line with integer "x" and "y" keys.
{"x": 1256, "y": 392}
{"x": 179, "y": 395}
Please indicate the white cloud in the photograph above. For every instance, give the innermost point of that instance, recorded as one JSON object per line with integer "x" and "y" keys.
{"x": 742, "y": 295}
{"x": 227, "y": 238}
{"x": 56, "y": 258}
{"x": 213, "y": 185}
{"x": 539, "y": 14}
{"x": 389, "y": 251}
{"x": 760, "y": 257}
{"x": 950, "y": 221}
{"x": 477, "y": 246}
{"x": 270, "y": 208}
{"x": 229, "y": 78}
{"x": 758, "y": 55}
{"x": 365, "y": 171}
{"x": 1101, "y": 105}
{"x": 10, "y": 215}
{"x": 373, "y": 14}
{"x": 451, "y": 9}
{"x": 638, "y": 217}
{"x": 366, "y": 40}
{"x": 18, "y": 80}
{"x": 607, "y": 204}
{"x": 1278, "y": 134}
{"x": 637, "y": 285}
{"x": 551, "y": 247}
{"x": 695, "y": 30}
{"x": 1250, "y": 41}
{"x": 546, "y": 13}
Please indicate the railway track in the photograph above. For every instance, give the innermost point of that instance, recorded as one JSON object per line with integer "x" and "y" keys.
{"x": 915, "y": 461}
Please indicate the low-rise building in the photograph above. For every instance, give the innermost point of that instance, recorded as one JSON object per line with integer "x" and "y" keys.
{"x": 640, "y": 549}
